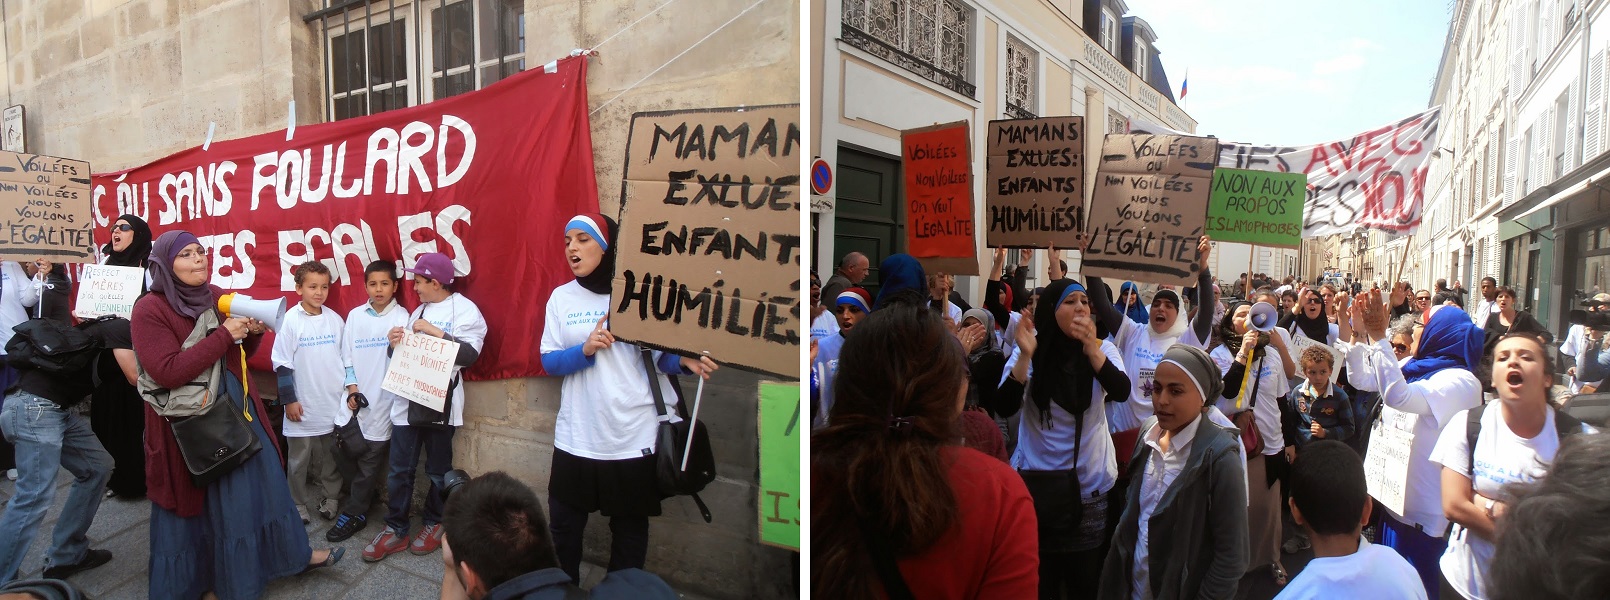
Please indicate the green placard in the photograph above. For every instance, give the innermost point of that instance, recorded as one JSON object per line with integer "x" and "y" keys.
{"x": 780, "y": 434}
{"x": 1257, "y": 207}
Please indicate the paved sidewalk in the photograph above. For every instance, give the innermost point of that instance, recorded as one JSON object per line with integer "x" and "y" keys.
{"x": 123, "y": 527}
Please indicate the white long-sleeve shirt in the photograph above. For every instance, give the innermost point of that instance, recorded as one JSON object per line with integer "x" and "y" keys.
{"x": 1436, "y": 399}
{"x": 365, "y": 349}
{"x": 18, "y": 293}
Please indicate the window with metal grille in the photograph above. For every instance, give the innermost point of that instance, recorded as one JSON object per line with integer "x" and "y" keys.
{"x": 927, "y": 37}
{"x": 386, "y": 54}
{"x": 1022, "y": 78}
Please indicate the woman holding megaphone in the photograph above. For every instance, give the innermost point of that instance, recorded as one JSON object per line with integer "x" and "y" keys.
{"x": 230, "y": 536}
{"x": 1253, "y": 352}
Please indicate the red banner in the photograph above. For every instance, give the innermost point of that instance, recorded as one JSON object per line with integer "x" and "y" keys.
{"x": 488, "y": 178}
{"x": 939, "y": 198}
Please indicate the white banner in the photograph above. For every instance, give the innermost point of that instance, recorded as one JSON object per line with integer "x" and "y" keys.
{"x": 420, "y": 369}
{"x": 1386, "y": 466}
{"x": 105, "y": 290}
{"x": 1374, "y": 180}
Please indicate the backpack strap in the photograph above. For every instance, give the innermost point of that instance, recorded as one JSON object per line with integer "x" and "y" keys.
{"x": 1566, "y": 425}
{"x": 1472, "y": 433}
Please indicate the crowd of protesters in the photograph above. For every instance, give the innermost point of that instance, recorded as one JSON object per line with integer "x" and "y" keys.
{"x": 1062, "y": 441}
{"x": 330, "y": 441}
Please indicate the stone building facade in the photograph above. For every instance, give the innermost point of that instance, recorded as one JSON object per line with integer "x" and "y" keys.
{"x": 121, "y": 83}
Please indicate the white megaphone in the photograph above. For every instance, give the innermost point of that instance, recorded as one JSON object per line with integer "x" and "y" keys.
{"x": 270, "y": 312}
{"x": 1263, "y": 317}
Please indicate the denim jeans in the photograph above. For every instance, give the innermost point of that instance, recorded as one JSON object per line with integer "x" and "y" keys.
{"x": 48, "y": 438}
{"x": 407, "y": 442}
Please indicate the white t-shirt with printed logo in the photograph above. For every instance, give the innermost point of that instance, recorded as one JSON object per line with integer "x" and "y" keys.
{"x": 1142, "y": 349}
{"x": 606, "y": 410}
{"x": 1502, "y": 458}
{"x": 1272, "y": 386}
{"x": 311, "y": 346}
{"x": 365, "y": 342}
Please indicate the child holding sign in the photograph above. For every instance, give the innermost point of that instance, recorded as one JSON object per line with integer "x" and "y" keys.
{"x": 364, "y": 350}
{"x": 307, "y": 359}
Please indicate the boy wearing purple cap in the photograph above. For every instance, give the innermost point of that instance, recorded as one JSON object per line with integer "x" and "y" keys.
{"x": 448, "y": 315}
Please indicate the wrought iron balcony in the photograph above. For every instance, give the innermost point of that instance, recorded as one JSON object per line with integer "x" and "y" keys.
{"x": 881, "y": 49}
{"x": 1017, "y": 112}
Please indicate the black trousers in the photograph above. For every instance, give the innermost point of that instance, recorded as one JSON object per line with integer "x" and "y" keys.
{"x": 628, "y": 547}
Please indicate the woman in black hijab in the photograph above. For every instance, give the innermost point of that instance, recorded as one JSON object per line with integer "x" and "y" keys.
{"x": 1067, "y": 371}
{"x": 116, "y": 412}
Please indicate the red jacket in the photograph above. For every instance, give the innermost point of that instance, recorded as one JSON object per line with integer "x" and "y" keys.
{"x": 159, "y": 332}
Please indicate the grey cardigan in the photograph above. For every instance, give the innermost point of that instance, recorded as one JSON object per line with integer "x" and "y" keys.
{"x": 1198, "y": 533}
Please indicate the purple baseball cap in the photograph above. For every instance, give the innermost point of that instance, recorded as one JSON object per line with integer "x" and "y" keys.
{"x": 434, "y": 265}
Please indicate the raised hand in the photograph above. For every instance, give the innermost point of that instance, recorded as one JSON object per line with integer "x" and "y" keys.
{"x": 1204, "y": 250}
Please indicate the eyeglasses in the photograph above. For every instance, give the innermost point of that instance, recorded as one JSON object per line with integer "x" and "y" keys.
{"x": 122, "y": 227}
{"x": 1400, "y": 347}
{"x": 192, "y": 254}
{"x": 1422, "y": 298}
{"x": 1313, "y": 300}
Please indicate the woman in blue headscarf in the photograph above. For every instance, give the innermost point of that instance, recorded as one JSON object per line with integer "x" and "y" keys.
{"x": 897, "y": 273}
{"x": 1433, "y": 386}
{"x": 1129, "y": 302}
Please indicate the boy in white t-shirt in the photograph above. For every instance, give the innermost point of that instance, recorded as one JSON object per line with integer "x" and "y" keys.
{"x": 445, "y": 314}
{"x": 366, "y": 438}
{"x": 307, "y": 360}
{"x": 1329, "y": 501}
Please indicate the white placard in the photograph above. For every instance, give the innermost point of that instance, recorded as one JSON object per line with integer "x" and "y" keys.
{"x": 1300, "y": 343}
{"x": 106, "y": 290}
{"x": 420, "y": 370}
{"x": 1386, "y": 466}
{"x": 13, "y": 136}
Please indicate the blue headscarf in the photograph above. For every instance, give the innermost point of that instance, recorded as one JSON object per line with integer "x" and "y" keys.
{"x": 1136, "y": 312}
{"x": 1449, "y": 341}
{"x": 899, "y": 272}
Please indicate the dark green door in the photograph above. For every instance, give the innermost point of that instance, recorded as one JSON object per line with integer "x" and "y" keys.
{"x": 868, "y": 216}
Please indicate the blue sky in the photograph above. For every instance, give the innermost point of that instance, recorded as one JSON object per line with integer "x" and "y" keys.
{"x": 1299, "y": 71}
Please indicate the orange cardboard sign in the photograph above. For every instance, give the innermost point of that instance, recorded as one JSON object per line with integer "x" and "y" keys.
{"x": 938, "y": 167}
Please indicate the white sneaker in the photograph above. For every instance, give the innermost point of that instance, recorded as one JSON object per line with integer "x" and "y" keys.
{"x": 328, "y": 509}
{"x": 11, "y": 474}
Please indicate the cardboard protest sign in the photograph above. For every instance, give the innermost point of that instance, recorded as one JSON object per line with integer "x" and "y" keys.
{"x": 45, "y": 209}
{"x": 1386, "y": 465}
{"x": 421, "y": 367}
{"x": 106, "y": 290}
{"x": 1034, "y": 193}
{"x": 1149, "y": 208}
{"x": 780, "y": 435}
{"x": 938, "y": 167}
{"x": 709, "y": 249}
{"x": 1300, "y": 343}
{"x": 1257, "y": 207}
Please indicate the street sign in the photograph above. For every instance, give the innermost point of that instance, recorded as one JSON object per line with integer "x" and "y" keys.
{"x": 821, "y": 177}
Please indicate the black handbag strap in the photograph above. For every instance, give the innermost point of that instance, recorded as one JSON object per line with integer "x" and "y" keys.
{"x": 653, "y": 383}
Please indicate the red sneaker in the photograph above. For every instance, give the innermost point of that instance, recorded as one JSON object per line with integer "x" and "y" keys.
{"x": 428, "y": 540}
{"x": 386, "y": 544}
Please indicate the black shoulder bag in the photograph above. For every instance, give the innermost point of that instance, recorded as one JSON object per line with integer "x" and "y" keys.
{"x": 219, "y": 439}
{"x": 671, "y": 443}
